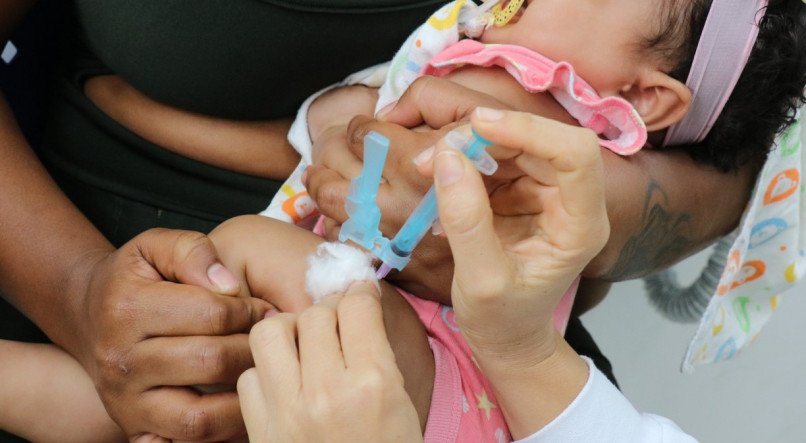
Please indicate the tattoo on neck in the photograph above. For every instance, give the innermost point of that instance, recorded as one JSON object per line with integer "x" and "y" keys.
{"x": 659, "y": 243}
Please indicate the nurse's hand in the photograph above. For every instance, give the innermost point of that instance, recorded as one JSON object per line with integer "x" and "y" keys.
{"x": 511, "y": 271}
{"x": 328, "y": 374}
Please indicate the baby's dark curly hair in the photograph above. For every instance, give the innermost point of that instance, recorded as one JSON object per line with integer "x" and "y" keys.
{"x": 769, "y": 91}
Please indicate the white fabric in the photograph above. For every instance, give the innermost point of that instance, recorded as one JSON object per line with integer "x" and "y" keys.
{"x": 440, "y": 31}
{"x": 602, "y": 414}
{"x": 292, "y": 204}
{"x": 766, "y": 260}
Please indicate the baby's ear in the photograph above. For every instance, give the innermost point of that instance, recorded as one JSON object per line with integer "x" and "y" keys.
{"x": 660, "y": 99}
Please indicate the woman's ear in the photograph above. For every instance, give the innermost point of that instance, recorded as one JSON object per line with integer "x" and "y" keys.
{"x": 660, "y": 99}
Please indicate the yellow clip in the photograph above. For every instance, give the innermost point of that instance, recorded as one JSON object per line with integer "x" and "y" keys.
{"x": 504, "y": 15}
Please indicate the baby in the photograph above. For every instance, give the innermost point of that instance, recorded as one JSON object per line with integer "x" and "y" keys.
{"x": 637, "y": 50}
{"x": 618, "y": 65}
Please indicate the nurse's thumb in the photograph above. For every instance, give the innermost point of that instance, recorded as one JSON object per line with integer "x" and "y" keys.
{"x": 466, "y": 217}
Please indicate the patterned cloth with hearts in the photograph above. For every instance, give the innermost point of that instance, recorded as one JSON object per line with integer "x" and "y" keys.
{"x": 766, "y": 259}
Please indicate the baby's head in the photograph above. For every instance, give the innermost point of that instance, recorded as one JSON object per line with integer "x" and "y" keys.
{"x": 643, "y": 50}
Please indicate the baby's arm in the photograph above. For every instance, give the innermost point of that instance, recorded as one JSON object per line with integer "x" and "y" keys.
{"x": 269, "y": 259}
{"x": 45, "y": 395}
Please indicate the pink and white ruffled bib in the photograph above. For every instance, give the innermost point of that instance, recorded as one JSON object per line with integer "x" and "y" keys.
{"x": 436, "y": 48}
{"x": 612, "y": 117}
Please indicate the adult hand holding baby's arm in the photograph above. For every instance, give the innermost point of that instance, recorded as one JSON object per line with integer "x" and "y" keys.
{"x": 160, "y": 316}
{"x": 338, "y": 382}
{"x": 510, "y": 275}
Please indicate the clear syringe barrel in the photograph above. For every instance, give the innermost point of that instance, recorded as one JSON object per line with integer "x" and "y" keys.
{"x": 418, "y": 223}
{"x": 397, "y": 252}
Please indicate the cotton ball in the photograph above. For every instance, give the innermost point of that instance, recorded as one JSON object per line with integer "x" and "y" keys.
{"x": 334, "y": 266}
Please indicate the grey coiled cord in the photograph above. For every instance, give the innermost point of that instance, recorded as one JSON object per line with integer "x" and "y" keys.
{"x": 687, "y": 304}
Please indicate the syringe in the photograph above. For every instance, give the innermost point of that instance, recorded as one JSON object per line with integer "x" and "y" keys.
{"x": 397, "y": 253}
{"x": 364, "y": 216}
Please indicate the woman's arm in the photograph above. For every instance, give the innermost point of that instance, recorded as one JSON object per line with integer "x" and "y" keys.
{"x": 506, "y": 287}
{"x": 101, "y": 305}
{"x": 658, "y": 198}
{"x": 258, "y": 148}
{"x": 665, "y": 207}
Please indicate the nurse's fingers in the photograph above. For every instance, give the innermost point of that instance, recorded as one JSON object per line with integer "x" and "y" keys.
{"x": 435, "y": 102}
{"x": 274, "y": 349}
{"x": 572, "y": 152}
{"x": 466, "y": 217}
{"x": 253, "y": 402}
{"x": 361, "y": 327}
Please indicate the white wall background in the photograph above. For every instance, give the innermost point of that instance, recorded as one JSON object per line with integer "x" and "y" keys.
{"x": 760, "y": 396}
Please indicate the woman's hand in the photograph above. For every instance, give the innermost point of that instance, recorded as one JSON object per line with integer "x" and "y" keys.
{"x": 328, "y": 375}
{"x": 147, "y": 337}
{"x": 144, "y": 320}
{"x": 512, "y": 271}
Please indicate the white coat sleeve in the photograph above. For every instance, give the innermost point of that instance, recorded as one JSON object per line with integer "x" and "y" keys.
{"x": 602, "y": 414}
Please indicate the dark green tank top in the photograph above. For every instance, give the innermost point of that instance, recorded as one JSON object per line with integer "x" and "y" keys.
{"x": 245, "y": 59}
{"x": 238, "y": 59}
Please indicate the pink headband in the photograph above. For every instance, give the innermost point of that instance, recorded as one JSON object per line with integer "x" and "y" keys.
{"x": 728, "y": 37}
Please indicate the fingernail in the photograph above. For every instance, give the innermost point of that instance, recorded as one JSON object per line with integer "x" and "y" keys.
{"x": 304, "y": 177}
{"x": 424, "y": 156}
{"x": 271, "y": 313}
{"x": 488, "y": 114}
{"x": 436, "y": 228}
{"x": 448, "y": 168}
{"x": 381, "y": 115}
{"x": 222, "y": 278}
